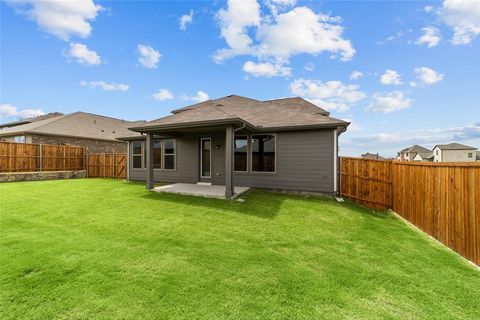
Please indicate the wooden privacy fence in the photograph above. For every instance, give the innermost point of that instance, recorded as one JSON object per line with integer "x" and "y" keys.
{"x": 442, "y": 199}
{"x": 107, "y": 165}
{"x": 23, "y": 157}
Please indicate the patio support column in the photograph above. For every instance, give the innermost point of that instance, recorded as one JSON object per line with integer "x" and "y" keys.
{"x": 229, "y": 187}
{"x": 149, "y": 162}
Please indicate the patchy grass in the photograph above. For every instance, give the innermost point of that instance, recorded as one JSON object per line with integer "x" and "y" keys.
{"x": 82, "y": 249}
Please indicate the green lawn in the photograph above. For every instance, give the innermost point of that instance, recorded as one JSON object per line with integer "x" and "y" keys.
{"x": 85, "y": 249}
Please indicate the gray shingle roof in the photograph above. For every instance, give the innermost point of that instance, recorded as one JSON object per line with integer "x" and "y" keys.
{"x": 77, "y": 124}
{"x": 455, "y": 146}
{"x": 417, "y": 149}
{"x": 280, "y": 113}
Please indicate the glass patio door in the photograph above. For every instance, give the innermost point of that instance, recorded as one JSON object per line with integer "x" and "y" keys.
{"x": 205, "y": 159}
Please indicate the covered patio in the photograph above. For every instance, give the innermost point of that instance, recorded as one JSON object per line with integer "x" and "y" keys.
{"x": 202, "y": 190}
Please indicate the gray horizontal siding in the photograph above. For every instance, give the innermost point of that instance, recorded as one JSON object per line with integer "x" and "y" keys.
{"x": 304, "y": 162}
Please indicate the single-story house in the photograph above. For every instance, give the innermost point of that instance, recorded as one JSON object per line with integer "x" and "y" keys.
{"x": 454, "y": 152}
{"x": 97, "y": 133}
{"x": 287, "y": 144}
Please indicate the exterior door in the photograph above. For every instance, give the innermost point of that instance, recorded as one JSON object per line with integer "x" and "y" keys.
{"x": 206, "y": 160}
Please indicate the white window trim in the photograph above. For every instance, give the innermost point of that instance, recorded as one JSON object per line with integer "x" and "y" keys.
{"x": 169, "y": 154}
{"x": 251, "y": 153}
{"x": 248, "y": 152}
{"x": 201, "y": 158}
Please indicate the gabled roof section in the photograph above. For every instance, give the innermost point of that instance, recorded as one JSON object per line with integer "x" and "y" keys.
{"x": 261, "y": 115}
{"x": 77, "y": 124}
{"x": 417, "y": 149}
{"x": 454, "y": 146}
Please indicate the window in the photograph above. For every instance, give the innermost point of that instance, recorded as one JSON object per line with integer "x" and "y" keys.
{"x": 263, "y": 153}
{"x": 436, "y": 152}
{"x": 137, "y": 154}
{"x": 169, "y": 154}
{"x": 240, "y": 153}
{"x": 20, "y": 139}
{"x": 470, "y": 154}
{"x": 157, "y": 154}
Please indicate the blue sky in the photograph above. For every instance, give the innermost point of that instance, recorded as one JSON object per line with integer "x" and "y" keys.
{"x": 403, "y": 72}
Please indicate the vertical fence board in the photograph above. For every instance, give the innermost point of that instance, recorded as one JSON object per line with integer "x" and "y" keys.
{"x": 107, "y": 165}
{"x": 442, "y": 199}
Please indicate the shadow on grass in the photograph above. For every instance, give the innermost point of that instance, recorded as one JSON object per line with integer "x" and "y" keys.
{"x": 255, "y": 204}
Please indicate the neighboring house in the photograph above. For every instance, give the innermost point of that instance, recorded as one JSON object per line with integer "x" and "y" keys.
{"x": 478, "y": 155}
{"x": 287, "y": 144}
{"x": 30, "y": 120}
{"x": 97, "y": 133}
{"x": 374, "y": 156}
{"x": 408, "y": 154}
{"x": 424, "y": 156}
{"x": 454, "y": 152}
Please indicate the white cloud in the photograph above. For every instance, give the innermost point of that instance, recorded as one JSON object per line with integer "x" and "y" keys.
{"x": 355, "y": 75}
{"x": 185, "y": 20}
{"x": 61, "y": 18}
{"x": 8, "y": 111}
{"x": 413, "y": 84}
{"x": 162, "y": 95}
{"x": 428, "y": 76}
{"x": 148, "y": 56}
{"x": 390, "y": 77}
{"x": 105, "y": 86}
{"x": 463, "y": 16}
{"x": 428, "y": 9}
{"x": 354, "y": 126}
{"x": 430, "y": 37}
{"x": 83, "y": 55}
{"x": 200, "y": 96}
{"x": 310, "y": 66}
{"x": 277, "y": 37}
{"x": 331, "y": 95}
{"x": 266, "y": 69}
{"x": 386, "y": 103}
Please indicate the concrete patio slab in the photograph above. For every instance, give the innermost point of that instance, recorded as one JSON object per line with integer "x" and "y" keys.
{"x": 209, "y": 191}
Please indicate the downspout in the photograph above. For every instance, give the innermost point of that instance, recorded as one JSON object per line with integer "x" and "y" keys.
{"x": 339, "y": 183}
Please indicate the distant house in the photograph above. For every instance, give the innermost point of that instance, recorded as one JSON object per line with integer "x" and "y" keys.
{"x": 424, "y": 156}
{"x": 374, "y": 156}
{"x": 408, "y": 154}
{"x": 454, "y": 152}
{"x": 97, "y": 133}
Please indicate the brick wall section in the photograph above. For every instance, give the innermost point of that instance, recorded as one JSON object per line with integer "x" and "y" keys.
{"x": 93, "y": 146}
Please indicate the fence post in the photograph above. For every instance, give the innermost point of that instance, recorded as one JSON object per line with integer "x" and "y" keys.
{"x": 104, "y": 164}
{"x": 114, "y": 173}
{"x": 41, "y": 157}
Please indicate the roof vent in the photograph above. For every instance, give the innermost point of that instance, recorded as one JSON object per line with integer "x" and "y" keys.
{"x": 219, "y": 105}
{"x": 103, "y": 130}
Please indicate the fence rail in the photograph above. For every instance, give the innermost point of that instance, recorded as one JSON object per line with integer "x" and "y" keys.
{"x": 442, "y": 199}
{"x": 107, "y": 165}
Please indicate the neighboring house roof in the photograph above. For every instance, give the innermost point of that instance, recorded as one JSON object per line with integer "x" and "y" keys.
{"x": 77, "y": 124}
{"x": 425, "y": 155}
{"x": 454, "y": 146}
{"x": 417, "y": 149}
{"x": 30, "y": 120}
{"x": 373, "y": 156}
{"x": 258, "y": 115}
